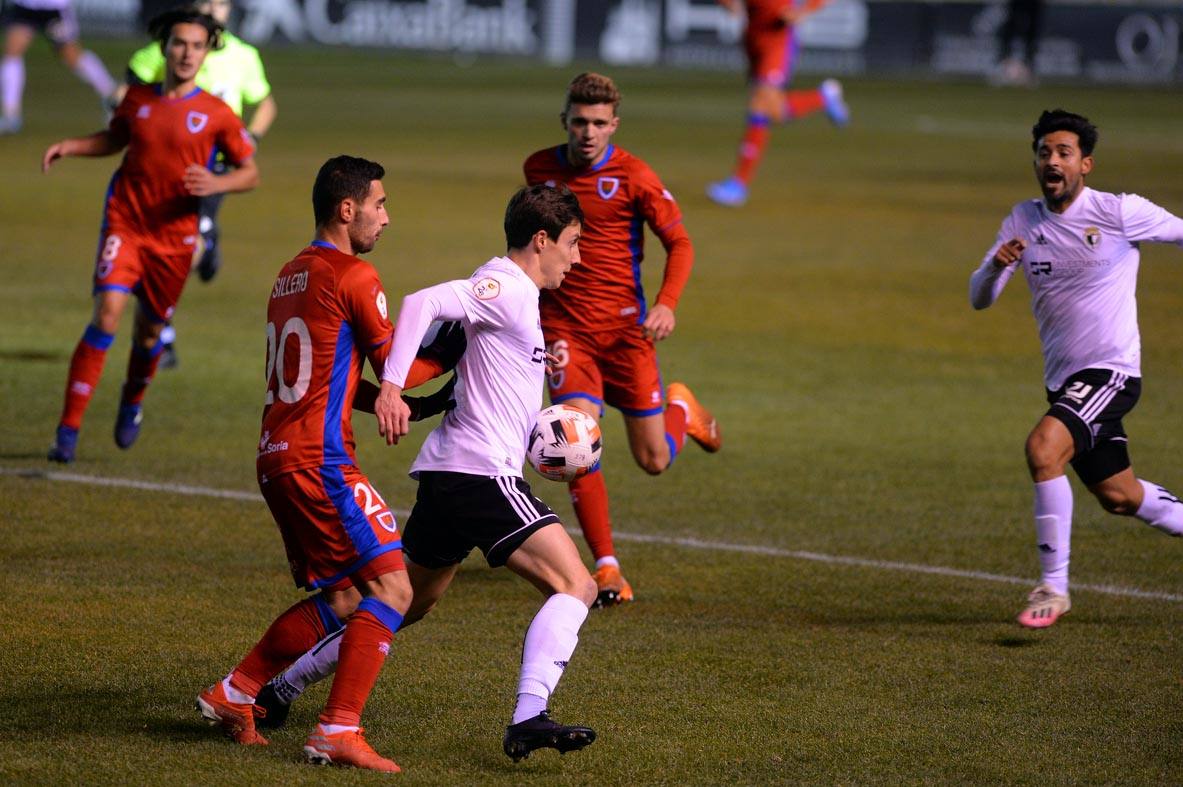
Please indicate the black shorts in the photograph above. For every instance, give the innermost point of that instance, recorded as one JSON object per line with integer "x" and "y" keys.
{"x": 60, "y": 27}
{"x": 455, "y": 512}
{"x": 1091, "y": 404}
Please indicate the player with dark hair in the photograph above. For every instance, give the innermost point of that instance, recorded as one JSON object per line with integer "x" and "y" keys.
{"x": 599, "y": 325}
{"x": 770, "y": 43}
{"x": 149, "y": 229}
{"x": 1079, "y": 251}
{"x": 327, "y": 315}
{"x": 234, "y": 73}
{"x": 471, "y": 490}
{"x": 56, "y": 20}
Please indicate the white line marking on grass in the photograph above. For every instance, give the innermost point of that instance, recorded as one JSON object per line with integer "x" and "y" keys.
{"x": 689, "y": 543}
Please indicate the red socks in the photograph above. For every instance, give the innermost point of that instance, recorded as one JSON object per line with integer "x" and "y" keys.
{"x": 86, "y": 366}
{"x": 751, "y": 149}
{"x": 799, "y": 103}
{"x": 363, "y": 651}
{"x": 589, "y": 496}
{"x": 292, "y": 633}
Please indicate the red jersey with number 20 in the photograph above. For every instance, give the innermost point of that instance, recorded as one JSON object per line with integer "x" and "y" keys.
{"x": 164, "y": 136}
{"x": 619, "y": 196}
{"x": 326, "y": 315}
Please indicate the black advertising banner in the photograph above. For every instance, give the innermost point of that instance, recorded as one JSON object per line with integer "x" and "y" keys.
{"x": 1083, "y": 40}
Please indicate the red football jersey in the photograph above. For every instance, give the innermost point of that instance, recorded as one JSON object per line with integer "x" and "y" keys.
{"x": 326, "y": 315}
{"x": 164, "y": 136}
{"x": 618, "y": 196}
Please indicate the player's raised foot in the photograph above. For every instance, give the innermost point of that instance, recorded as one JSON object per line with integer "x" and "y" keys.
{"x": 127, "y": 424}
{"x": 270, "y": 710}
{"x": 9, "y": 125}
{"x": 730, "y": 193}
{"x": 612, "y": 588}
{"x": 836, "y": 108}
{"x": 700, "y": 424}
{"x": 347, "y": 748}
{"x": 64, "y": 445}
{"x": 235, "y": 718}
{"x": 1044, "y": 607}
{"x": 168, "y": 356}
{"x": 542, "y": 732}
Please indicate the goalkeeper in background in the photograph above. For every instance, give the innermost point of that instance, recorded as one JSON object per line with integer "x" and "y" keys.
{"x": 233, "y": 73}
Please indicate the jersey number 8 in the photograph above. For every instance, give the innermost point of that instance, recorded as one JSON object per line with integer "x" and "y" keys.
{"x": 289, "y": 394}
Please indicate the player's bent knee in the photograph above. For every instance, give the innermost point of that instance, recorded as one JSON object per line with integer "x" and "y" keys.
{"x": 1116, "y": 502}
{"x": 652, "y": 462}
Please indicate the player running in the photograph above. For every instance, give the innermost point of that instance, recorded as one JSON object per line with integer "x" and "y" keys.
{"x": 56, "y": 20}
{"x": 1078, "y": 249}
{"x": 599, "y": 325}
{"x": 770, "y": 43}
{"x": 234, "y": 73}
{"x": 326, "y": 316}
{"x": 149, "y": 232}
{"x": 471, "y": 490}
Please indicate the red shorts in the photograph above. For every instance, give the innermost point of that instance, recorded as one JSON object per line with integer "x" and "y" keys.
{"x": 154, "y": 269}
{"x": 334, "y": 526}
{"x": 771, "y": 51}
{"x": 616, "y": 367}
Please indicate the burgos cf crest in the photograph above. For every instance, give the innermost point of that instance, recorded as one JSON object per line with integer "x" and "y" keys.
{"x": 195, "y": 121}
{"x": 606, "y": 187}
{"x": 1092, "y": 236}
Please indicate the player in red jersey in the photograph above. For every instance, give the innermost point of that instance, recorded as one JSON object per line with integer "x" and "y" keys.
{"x": 598, "y": 325}
{"x": 770, "y": 42}
{"x": 172, "y": 132}
{"x": 326, "y": 316}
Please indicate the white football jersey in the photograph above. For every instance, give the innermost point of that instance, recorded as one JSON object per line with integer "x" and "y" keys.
{"x": 1082, "y": 269}
{"x": 501, "y": 374}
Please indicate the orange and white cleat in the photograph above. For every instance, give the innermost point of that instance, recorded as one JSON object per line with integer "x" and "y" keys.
{"x": 236, "y": 719}
{"x": 347, "y": 748}
{"x": 1044, "y": 607}
{"x": 612, "y": 588}
{"x": 700, "y": 424}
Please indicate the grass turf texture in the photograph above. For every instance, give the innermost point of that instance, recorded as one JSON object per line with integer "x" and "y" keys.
{"x": 868, "y": 411}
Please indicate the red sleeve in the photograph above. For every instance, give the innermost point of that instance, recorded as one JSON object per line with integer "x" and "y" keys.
{"x": 233, "y": 138}
{"x": 365, "y": 304}
{"x": 120, "y": 126}
{"x": 664, "y": 217}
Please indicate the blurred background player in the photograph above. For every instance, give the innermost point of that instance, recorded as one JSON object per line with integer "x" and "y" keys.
{"x": 149, "y": 227}
{"x": 55, "y": 19}
{"x": 327, "y": 315}
{"x": 1016, "y": 66}
{"x": 234, "y": 73}
{"x": 1078, "y": 249}
{"x": 770, "y": 42}
{"x": 598, "y": 325}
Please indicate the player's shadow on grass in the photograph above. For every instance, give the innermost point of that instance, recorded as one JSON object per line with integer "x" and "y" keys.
{"x": 1013, "y": 641}
{"x": 27, "y": 455}
{"x": 33, "y": 356}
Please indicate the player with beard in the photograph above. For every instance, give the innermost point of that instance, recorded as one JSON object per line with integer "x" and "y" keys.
{"x": 1079, "y": 251}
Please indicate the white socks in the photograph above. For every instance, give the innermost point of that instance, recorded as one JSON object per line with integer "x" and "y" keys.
{"x": 12, "y": 85}
{"x": 550, "y": 641}
{"x": 1053, "y": 530}
{"x": 92, "y": 71}
{"x": 1160, "y": 509}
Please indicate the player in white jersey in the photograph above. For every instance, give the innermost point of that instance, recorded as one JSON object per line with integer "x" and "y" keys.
{"x": 471, "y": 490}
{"x": 1078, "y": 249}
{"x": 55, "y": 19}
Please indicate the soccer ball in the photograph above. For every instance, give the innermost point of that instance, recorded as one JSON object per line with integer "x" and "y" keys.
{"x": 564, "y": 443}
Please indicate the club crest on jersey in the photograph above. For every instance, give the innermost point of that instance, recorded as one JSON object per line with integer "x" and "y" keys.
{"x": 380, "y": 302}
{"x": 195, "y": 121}
{"x": 143, "y": 111}
{"x": 1092, "y": 236}
{"x": 487, "y": 289}
{"x": 606, "y": 187}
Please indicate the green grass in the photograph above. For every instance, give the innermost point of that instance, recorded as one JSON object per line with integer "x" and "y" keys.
{"x": 868, "y": 412}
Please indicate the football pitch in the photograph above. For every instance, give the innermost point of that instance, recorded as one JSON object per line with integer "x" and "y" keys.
{"x": 830, "y": 599}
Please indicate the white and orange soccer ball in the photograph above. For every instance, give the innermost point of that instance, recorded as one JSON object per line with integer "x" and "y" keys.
{"x": 564, "y": 444}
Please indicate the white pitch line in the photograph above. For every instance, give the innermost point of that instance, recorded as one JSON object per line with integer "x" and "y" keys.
{"x": 689, "y": 543}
